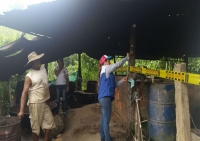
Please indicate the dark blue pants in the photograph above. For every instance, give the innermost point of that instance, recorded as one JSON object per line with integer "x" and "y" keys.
{"x": 106, "y": 106}
{"x": 61, "y": 91}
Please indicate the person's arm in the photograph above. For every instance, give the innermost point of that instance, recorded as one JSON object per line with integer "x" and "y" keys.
{"x": 67, "y": 83}
{"x": 57, "y": 70}
{"x": 118, "y": 83}
{"x": 27, "y": 84}
{"x": 112, "y": 67}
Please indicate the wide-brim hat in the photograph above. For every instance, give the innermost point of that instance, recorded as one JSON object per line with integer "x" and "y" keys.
{"x": 33, "y": 56}
{"x": 104, "y": 58}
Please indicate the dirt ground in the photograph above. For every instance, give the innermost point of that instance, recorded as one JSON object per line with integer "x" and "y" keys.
{"x": 82, "y": 124}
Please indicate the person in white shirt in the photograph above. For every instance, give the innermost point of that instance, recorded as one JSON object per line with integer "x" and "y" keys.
{"x": 36, "y": 87}
{"x": 62, "y": 85}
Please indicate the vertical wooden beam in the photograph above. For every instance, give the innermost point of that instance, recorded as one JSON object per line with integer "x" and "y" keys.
{"x": 129, "y": 105}
{"x": 11, "y": 100}
{"x": 46, "y": 67}
{"x": 115, "y": 62}
{"x": 132, "y": 45}
{"x": 79, "y": 72}
{"x": 185, "y": 58}
{"x": 1, "y": 107}
{"x": 9, "y": 93}
{"x": 182, "y": 107}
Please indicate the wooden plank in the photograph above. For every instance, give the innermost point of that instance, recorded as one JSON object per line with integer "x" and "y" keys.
{"x": 129, "y": 105}
{"x": 182, "y": 107}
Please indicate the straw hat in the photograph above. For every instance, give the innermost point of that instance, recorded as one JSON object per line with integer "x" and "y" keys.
{"x": 34, "y": 56}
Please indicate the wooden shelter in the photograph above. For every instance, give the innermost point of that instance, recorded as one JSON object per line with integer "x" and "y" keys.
{"x": 148, "y": 29}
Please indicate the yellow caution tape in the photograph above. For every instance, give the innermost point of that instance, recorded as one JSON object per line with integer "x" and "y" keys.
{"x": 162, "y": 74}
{"x": 193, "y": 79}
{"x": 134, "y": 69}
{"x": 179, "y": 76}
{"x": 122, "y": 69}
{"x": 172, "y": 75}
{"x": 152, "y": 72}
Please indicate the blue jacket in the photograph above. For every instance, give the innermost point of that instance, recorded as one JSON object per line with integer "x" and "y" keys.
{"x": 106, "y": 86}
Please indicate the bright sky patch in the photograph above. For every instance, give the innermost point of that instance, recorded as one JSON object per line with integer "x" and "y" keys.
{"x": 8, "y": 5}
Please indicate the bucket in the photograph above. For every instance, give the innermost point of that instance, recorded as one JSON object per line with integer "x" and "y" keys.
{"x": 161, "y": 112}
{"x": 10, "y": 129}
{"x": 25, "y": 122}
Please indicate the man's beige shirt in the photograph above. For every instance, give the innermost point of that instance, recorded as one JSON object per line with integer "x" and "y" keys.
{"x": 39, "y": 90}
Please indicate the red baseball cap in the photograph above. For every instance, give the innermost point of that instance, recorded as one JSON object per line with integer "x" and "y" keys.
{"x": 104, "y": 58}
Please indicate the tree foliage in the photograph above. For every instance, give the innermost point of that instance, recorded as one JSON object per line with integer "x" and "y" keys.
{"x": 8, "y": 35}
{"x": 89, "y": 69}
{"x": 194, "y": 64}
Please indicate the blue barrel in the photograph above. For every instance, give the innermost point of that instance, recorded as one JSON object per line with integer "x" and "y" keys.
{"x": 161, "y": 112}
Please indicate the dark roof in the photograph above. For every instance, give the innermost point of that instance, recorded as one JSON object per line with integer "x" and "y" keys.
{"x": 164, "y": 28}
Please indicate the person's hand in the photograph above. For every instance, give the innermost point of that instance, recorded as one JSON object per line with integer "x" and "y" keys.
{"x": 20, "y": 115}
{"x": 124, "y": 79}
{"x": 127, "y": 55}
{"x": 67, "y": 89}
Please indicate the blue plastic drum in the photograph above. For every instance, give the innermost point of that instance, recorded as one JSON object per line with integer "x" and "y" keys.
{"x": 161, "y": 112}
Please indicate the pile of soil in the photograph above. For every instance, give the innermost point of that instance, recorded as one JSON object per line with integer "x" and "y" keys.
{"x": 82, "y": 124}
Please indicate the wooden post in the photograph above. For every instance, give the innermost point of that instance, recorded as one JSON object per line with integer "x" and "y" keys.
{"x": 79, "y": 72}
{"x": 9, "y": 92}
{"x": 46, "y": 67}
{"x": 129, "y": 106}
{"x": 185, "y": 58}
{"x": 115, "y": 62}
{"x": 182, "y": 107}
{"x": 11, "y": 100}
{"x": 1, "y": 107}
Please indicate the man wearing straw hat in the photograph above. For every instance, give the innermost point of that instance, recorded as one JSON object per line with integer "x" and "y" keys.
{"x": 36, "y": 86}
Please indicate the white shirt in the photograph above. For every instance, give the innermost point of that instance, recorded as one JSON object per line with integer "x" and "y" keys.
{"x": 39, "y": 90}
{"x": 61, "y": 78}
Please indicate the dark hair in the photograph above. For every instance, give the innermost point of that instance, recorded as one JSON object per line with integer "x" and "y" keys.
{"x": 61, "y": 59}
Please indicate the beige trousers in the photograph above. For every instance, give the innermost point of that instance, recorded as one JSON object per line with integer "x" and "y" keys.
{"x": 40, "y": 116}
